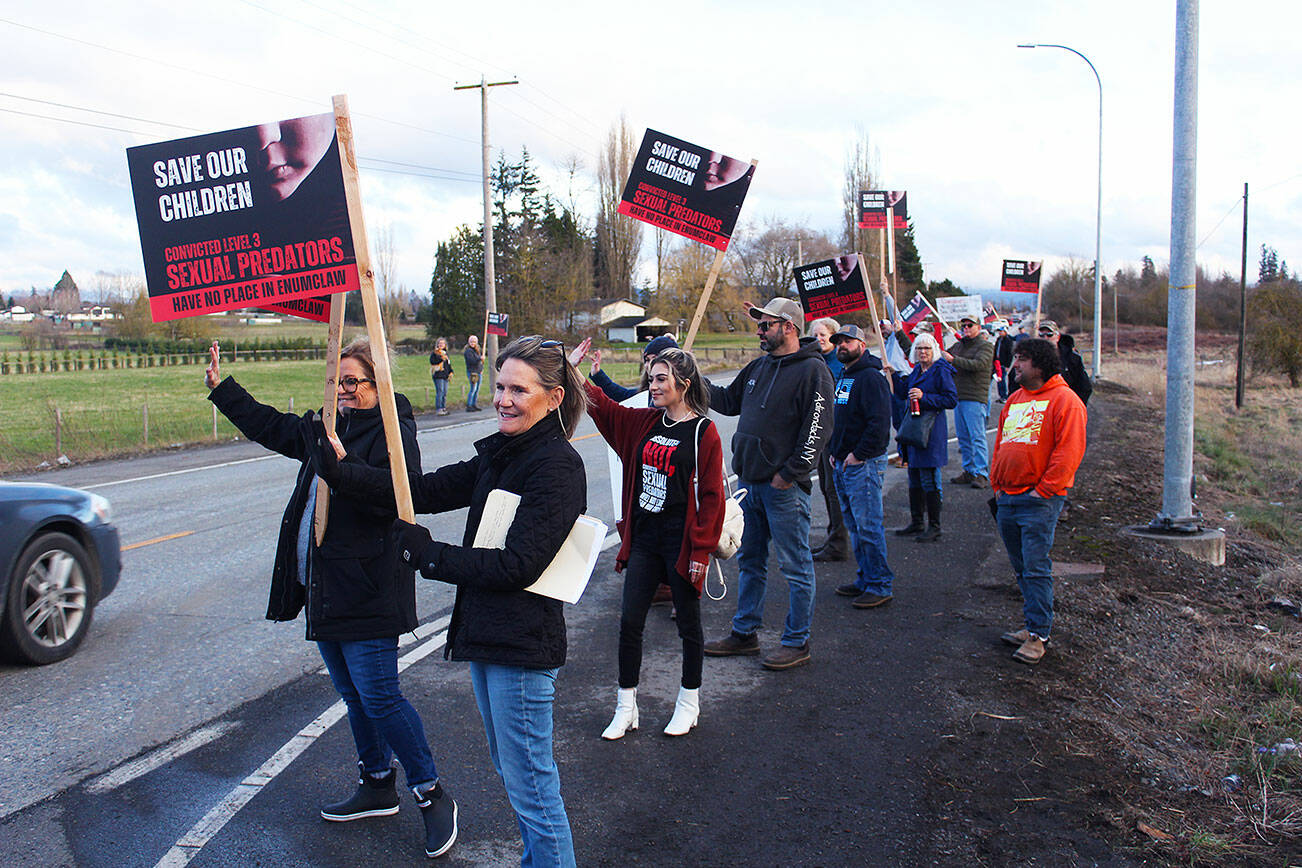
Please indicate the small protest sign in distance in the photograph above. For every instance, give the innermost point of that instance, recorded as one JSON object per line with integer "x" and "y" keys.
{"x": 873, "y": 205}
{"x": 832, "y": 286}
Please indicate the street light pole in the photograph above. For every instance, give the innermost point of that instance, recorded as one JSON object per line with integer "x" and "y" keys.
{"x": 1098, "y": 212}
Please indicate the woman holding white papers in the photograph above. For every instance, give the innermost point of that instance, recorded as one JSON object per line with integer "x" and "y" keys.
{"x": 514, "y": 640}
{"x": 673, "y": 497}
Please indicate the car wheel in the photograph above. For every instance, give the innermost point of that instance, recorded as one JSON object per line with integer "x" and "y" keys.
{"x": 50, "y": 600}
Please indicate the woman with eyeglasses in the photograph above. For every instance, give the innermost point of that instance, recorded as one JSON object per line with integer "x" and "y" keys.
{"x": 357, "y": 595}
{"x": 514, "y": 640}
{"x": 672, "y": 495}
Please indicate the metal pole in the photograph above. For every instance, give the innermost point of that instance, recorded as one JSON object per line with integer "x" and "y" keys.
{"x": 1243, "y": 305}
{"x": 490, "y": 282}
{"x": 1177, "y": 471}
{"x": 1098, "y": 215}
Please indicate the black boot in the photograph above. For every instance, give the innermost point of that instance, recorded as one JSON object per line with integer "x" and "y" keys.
{"x": 375, "y": 797}
{"x": 440, "y": 813}
{"x": 915, "y": 509}
{"x": 932, "y": 533}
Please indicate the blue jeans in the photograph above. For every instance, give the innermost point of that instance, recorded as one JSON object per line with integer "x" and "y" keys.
{"x": 926, "y": 478}
{"x": 472, "y": 397}
{"x": 440, "y": 394}
{"x": 516, "y": 705}
{"x": 1027, "y": 523}
{"x": 780, "y": 517}
{"x": 365, "y": 673}
{"x": 860, "y": 489}
{"x": 970, "y": 427}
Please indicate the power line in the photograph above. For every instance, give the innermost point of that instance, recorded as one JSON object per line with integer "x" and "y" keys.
{"x": 70, "y": 121}
{"x": 97, "y": 112}
{"x": 474, "y": 176}
{"x": 417, "y": 174}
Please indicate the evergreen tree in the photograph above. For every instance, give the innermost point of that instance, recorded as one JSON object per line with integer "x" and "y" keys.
{"x": 908, "y": 264}
{"x": 457, "y": 287}
{"x": 1269, "y": 268}
{"x": 1147, "y": 272}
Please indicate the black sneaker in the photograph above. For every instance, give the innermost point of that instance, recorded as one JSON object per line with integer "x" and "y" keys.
{"x": 733, "y": 645}
{"x": 440, "y": 813}
{"x": 850, "y": 590}
{"x": 931, "y": 534}
{"x": 963, "y": 478}
{"x": 825, "y": 555}
{"x": 374, "y": 798}
{"x": 869, "y": 600}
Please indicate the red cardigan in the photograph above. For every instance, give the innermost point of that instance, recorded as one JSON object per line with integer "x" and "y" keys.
{"x": 624, "y": 429}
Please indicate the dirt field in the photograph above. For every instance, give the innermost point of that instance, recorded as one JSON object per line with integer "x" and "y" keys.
{"x": 1162, "y": 717}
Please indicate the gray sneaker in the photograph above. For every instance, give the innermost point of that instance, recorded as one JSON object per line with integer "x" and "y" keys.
{"x": 787, "y": 657}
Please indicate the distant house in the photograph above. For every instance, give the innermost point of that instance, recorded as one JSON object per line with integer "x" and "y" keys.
{"x": 621, "y": 319}
{"x": 18, "y": 313}
{"x": 92, "y": 313}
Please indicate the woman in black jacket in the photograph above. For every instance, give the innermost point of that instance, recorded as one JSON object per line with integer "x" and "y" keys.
{"x": 358, "y": 598}
{"x": 513, "y": 639}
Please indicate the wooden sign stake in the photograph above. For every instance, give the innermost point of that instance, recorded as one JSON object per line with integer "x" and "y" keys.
{"x": 872, "y": 307}
{"x": 329, "y": 407}
{"x": 705, "y": 293}
{"x": 371, "y": 304}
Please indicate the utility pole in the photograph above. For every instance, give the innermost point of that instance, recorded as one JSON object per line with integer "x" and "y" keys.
{"x": 490, "y": 284}
{"x": 1177, "y": 513}
{"x": 1243, "y": 306}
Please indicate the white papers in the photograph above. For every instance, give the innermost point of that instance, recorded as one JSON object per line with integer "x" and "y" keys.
{"x": 567, "y": 575}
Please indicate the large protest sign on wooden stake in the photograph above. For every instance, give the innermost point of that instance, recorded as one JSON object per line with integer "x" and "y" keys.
{"x": 691, "y": 191}
{"x": 374, "y": 321}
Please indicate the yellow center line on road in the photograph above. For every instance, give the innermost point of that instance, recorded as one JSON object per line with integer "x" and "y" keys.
{"x": 150, "y": 542}
{"x": 585, "y": 436}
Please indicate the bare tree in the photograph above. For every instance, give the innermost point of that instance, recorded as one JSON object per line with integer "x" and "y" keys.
{"x": 862, "y": 171}
{"x": 769, "y": 253}
{"x": 385, "y": 260}
{"x": 619, "y": 238}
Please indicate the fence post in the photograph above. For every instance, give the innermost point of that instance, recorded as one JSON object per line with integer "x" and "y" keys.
{"x": 214, "y": 421}
{"x": 58, "y": 432}
{"x": 291, "y": 403}
{"x": 145, "y": 411}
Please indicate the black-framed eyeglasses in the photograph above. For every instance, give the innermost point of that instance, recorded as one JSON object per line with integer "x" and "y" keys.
{"x": 766, "y": 324}
{"x": 350, "y": 384}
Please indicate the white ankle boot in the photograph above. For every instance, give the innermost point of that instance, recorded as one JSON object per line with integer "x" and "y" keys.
{"x": 625, "y": 718}
{"x": 686, "y": 710}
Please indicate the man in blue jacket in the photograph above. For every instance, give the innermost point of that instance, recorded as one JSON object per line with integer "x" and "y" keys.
{"x": 783, "y": 399}
{"x": 861, "y": 432}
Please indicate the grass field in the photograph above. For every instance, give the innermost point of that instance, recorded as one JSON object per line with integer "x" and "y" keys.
{"x": 102, "y": 413}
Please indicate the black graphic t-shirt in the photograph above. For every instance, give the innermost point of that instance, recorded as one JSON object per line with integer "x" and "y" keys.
{"x": 668, "y": 455}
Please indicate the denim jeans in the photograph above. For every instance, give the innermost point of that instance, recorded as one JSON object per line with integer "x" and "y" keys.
{"x": 970, "y": 427}
{"x": 860, "y": 490}
{"x": 657, "y": 541}
{"x": 1027, "y": 523}
{"x": 780, "y": 517}
{"x": 472, "y": 397}
{"x": 516, "y": 705}
{"x": 926, "y": 478}
{"x": 365, "y": 673}
{"x": 440, "y": 394}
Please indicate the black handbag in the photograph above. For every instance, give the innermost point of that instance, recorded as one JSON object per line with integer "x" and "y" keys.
{"x": 916, "y": 430}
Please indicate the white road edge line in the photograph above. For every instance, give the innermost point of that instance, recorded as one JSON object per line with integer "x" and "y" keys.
{"x": 128, "y": 772}
{"x": 189, "y": 844}
{"x": 178, "y": 472}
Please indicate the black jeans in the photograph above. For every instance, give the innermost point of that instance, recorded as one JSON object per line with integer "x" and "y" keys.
{"x": 657, "y": 542}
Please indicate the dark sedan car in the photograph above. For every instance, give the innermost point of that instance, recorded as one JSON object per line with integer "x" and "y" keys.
{"x": 59, "y": 556}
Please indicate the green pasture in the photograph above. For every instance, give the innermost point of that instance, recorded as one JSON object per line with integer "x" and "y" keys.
{"x": 103, "y": 413}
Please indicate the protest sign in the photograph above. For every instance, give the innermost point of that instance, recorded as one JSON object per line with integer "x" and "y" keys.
{"x": 250, "y": 217}
{"x": 957, "y": 307}
{"x": 316, "y": 309}
{"x": 497, "y": 324}
{"x": 915, "y": 311}
{"x": 1020, "y": 275}
{"x": 687, "y": 189}
{"x": 832, "y": 287}
{"x": 873, "y": 205}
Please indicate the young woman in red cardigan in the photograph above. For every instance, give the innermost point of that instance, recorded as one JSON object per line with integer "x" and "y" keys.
{"x": 673, "y": 497}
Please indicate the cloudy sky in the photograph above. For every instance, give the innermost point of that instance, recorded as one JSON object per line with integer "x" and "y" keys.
{"x": 996, "y": 145}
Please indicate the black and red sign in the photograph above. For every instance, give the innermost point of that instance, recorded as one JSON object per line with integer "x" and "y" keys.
{"x": 832, "y": 287}
{"x": 498, "y": 323}
{"x": 1020, "y": 275}
{"x": 252, "y": 217}
{"x": 686, "y": 189}
{"x": 873, "y": 205}
{"x": 317, "y": 309}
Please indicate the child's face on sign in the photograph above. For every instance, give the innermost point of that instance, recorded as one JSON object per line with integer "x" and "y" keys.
{"x": 289, "y": 151}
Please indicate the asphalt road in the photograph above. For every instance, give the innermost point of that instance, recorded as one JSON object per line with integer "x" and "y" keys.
{"x": 189, "y": 728}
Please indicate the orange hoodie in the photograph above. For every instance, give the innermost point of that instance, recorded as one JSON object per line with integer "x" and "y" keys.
{"x": 1040, "y": 441}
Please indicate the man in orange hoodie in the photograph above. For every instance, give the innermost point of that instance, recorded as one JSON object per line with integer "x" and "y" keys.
{"x": 1039, "y": 445}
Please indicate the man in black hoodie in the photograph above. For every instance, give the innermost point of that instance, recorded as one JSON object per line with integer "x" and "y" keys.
{"x": 784, "y": 401}
{"x": 860, "y": 435}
